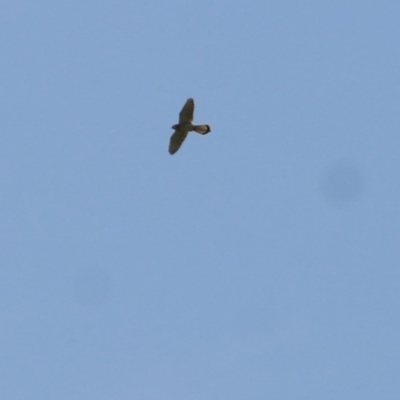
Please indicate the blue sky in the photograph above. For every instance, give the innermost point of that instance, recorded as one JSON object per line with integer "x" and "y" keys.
{"x": 259, "y": 262}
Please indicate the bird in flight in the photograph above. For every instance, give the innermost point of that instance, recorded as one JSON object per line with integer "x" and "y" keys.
{"x": 185, "y": 126}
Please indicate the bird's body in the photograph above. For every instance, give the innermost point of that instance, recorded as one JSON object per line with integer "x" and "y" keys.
{"x": 185, "y": 126}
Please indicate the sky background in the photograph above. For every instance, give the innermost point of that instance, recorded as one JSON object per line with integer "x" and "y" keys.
{"x": 261, "y": 261}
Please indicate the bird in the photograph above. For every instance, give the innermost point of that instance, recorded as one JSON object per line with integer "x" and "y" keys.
{"x": 185, "y": 126}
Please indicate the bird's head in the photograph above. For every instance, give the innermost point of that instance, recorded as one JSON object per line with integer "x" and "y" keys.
{"x": 174, "y": 126}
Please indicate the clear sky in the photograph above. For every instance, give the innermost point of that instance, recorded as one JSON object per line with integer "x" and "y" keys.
{"x": 261, "y": 261}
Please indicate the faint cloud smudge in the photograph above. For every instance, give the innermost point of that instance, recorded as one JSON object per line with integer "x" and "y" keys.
{"x": 342, "y": 183}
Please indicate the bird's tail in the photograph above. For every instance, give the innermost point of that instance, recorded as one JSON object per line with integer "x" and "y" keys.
{"x": 202, "y": 129}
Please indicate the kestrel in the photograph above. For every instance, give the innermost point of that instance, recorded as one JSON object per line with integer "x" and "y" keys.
{"x": 185, "y": 126}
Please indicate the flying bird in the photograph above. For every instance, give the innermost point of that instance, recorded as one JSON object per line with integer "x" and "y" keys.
{"x": 185, "y": 126}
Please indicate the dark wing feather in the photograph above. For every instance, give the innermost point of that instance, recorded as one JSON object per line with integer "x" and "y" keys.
{"x": 186, "y": 114}
{"x": 176, "y": 141}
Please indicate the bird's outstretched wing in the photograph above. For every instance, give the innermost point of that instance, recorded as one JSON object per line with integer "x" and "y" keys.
{"x": 176, "y": 140}
{"x": 186, "y": 114}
